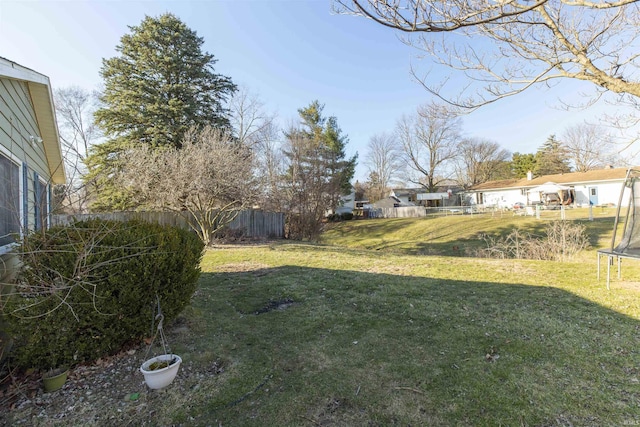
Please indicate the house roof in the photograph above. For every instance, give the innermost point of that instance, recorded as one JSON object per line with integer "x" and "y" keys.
{"x": 599, "y": 175}
{"x": 42, "y": 99}
{"x": 404, "y": 192}
{"x": 389, "y": 202}
{"x": 442, "y": 188}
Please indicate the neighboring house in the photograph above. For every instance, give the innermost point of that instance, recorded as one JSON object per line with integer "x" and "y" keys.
{"x": 347, "y": 203}
{"x": 445, "y": 196}
{"x": 406, "y": 196}
{"x": 596, "y": 187}
{"x": 389, "y": 202}
{"x": 30, "y": 152}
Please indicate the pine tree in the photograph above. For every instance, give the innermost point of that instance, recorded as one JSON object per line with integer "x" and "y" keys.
{"x": 552, "y": 158}
{"x": 319, "y": 172}
{"x": 521, "y": 164}
{"x": 161, "y": 85}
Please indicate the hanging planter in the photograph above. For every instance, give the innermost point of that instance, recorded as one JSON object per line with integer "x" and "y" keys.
{"x": 161, "y": 370}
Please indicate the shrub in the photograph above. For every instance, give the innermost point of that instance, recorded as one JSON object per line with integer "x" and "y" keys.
{"x": 226, "y": 234}
{"x": 561, "y": 241}
{"x": 333, "y": 217}
{"x": 87, "y": 289}
{"x": 347, "y": 216}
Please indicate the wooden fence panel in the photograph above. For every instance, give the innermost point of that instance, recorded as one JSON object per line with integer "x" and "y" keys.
{"x": 252, "y": 223}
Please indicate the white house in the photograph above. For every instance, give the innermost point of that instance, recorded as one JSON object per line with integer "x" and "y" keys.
{"x": 596, "y": 187}
{"x": 30, "y": 152}
{"x": 421, "y": 197}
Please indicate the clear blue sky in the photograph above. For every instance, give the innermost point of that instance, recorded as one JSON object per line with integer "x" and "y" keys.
{"x": 288, "y": 52}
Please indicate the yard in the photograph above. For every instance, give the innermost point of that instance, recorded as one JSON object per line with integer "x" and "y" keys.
{"x": 319, "y": 335}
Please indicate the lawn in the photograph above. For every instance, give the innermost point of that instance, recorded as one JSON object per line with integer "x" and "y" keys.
{"x": 318, "y": 335}
{"x": 435, "y": 235}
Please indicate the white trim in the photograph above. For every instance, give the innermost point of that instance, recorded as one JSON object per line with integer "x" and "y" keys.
{"x": 8, "y": 154}
{"x": 5, "y": 249}
{"x": 16, "y": 71}
{"x": 18, "y": 163}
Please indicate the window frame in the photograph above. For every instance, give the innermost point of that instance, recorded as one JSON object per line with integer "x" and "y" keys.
{"x": 41, "y": 202}
{"x": 6, "y": 153}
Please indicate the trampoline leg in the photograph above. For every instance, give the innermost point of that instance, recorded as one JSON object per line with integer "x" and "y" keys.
{"x": 609, "y": 261}
{"x": 598, "y": 274}
{"x": 619, "y": 268}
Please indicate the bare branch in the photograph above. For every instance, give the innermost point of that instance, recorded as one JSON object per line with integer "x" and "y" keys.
{"x": 503, "y": 48}
{"x": 205, "y": 181}
{"x": 430, "y": 141}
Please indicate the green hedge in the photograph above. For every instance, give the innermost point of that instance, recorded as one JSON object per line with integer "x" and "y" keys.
{"x": 88, "y": 289}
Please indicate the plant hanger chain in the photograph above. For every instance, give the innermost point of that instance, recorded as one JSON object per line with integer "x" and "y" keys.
{"x": 159, "y": 317}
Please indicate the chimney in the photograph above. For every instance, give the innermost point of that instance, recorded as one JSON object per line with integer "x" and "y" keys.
{"x": 529, "y": 176}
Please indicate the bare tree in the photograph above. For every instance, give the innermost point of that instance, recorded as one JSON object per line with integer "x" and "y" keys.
{"x": 429, "y": 141}
{"x": 270, "y": 166}
{"x": 529, "y": 43}
{"x": 481, "y": 161}
{"x": 74, "y": 110}
{"x": 256, "y": 128}
{"x": 306, "y": 189}
{"x": 588, "y": 147}
{"x": 207, "y": 181}
{"x": 384, "y": 162}
{"x": 248, "y": 117}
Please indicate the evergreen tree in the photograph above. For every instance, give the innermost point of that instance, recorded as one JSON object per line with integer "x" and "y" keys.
{"x": 376, "y": 189}
{"x": 522, "y": 163}
{"x": 160, "y": 85}
{"x": 552, "y": 158}
{"x": 318, "y": 172}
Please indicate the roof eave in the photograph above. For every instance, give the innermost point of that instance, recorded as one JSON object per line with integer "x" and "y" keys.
{"x": 44, "y": 108}
{"x": 42, "y": 99}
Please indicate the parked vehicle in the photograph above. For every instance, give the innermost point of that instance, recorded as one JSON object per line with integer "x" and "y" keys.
{"x": 518, "y": 205}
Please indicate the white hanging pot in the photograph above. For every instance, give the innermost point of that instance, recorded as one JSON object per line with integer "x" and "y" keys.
{"x": 160, "y": 371}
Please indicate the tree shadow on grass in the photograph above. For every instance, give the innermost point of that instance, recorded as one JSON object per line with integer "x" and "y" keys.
{"x": 356, "y": 348}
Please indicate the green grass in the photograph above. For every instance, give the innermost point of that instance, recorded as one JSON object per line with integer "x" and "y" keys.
{"x": 365, "y": 330}
{"x": 380, "y": 337}
{"x": 456, "y": 234}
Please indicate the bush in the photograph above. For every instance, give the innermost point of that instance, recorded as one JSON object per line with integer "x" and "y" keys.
{"x": 347, "y": 216}
{"x": 226, "y": 234}
{"x": 333, "y": 217}
{"x": 87, "y": 289}
{"x": 561, "y": 241}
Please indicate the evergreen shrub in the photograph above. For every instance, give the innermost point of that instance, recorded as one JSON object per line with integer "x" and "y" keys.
{"x": 88, "y": 289}
{"x": 346, "y": 216}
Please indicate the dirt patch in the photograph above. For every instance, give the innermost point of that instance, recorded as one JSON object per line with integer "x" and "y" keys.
{"x": 111, "y": 391}
{"x": 282, "y": 304}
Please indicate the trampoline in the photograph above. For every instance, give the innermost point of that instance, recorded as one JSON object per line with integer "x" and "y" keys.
{"x": 628, "y": 245}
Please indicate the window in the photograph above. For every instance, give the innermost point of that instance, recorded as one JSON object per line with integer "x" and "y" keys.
{"x": 9, "y": 200}
{"x": 41, "y": 205}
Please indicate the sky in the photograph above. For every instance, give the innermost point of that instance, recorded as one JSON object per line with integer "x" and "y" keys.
{"x": 289, "y": 53}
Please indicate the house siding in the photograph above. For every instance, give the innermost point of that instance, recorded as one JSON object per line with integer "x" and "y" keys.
{"x": 606, "y": 183}
{"x": 17, "y": 124}
{"x": 503, "y": 199}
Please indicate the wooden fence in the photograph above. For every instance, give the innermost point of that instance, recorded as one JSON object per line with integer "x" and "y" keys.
{"x": 251, "y": 223}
